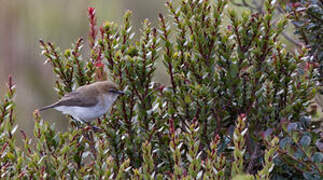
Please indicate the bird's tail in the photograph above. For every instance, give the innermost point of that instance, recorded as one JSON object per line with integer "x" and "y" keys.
{"x": 46, "y": 107}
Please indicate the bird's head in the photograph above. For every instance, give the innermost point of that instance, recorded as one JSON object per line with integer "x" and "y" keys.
{"x": 108, "y": 91}
{"x": 110, "y": 88}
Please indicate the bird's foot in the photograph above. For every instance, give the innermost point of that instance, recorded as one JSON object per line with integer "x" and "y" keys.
{"x": 96, "y": 129}
{"x": 79, "y": 123}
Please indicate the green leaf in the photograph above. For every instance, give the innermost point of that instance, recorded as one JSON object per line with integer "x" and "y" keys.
{"x": 305, "y": 141}
{"x": 234, "y": 70}
{"x": 285, "y": 142}
{"x": 187, "y": 99}
{"x": 317, "y": 157}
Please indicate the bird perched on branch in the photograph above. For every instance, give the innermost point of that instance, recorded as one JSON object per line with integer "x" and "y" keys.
{"x": 87, "y": 102}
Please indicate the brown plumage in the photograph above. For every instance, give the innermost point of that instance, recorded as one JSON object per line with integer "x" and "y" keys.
{"x": 88, "y": 101}
{"x": 84, "y": 96}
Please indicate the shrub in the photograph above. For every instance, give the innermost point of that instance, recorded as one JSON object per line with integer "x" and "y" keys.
{"x": 307, "y": 17}
{"x": 232, "y": 89}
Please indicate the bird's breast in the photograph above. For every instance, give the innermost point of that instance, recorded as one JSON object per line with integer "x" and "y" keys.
{"x": 91, "y": 112}
{"x": 108, "y": 101}
{"x": 82, "y": 113}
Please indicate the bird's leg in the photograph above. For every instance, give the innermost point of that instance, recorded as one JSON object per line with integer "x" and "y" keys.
{"x": 94, "y": 128}
{"x": 77, "y": 122}
{"x": 86, "y": 134}
{"x": 80, "y": 122}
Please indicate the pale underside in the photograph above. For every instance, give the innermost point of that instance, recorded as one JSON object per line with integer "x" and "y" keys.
{"x": 87, "y": 114}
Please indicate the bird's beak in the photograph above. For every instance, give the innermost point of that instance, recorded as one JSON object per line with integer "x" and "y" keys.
{"x": 117, "y": 92}
{"x": 120, "y": 92}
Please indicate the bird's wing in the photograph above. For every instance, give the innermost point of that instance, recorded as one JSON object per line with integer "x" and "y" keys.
{"x": 71, "y": 94}
{"x": 77, "y": 99}
{"x": 80, "y": 97}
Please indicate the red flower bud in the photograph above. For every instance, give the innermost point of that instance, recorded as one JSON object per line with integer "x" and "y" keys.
{"x": 296, "y": 5}
{"x": 91, "y": 10}
{"x": 99, "y": 64}
{"x": 93, "y": 30}
{"x": 243, "y": 115}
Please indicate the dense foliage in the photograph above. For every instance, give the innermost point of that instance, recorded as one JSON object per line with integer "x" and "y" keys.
{"x": 307, "y": 18}
{"x": 236, "y": 103}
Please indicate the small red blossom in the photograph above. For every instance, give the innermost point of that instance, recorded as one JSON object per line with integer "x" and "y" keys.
{"x": 93, "y": 30}
{"x": 307, "y": 66}
{"x": 98, "y": 64}
{"x": 98, "y": 60}
{"x": 296, "y": 5}
{"x": 217, "y": 138}
{"x": 161, "y": 88}
{"x": 243, "y": 115}
{"x": 91, "y": 10}
{"x": 195, "y": 121}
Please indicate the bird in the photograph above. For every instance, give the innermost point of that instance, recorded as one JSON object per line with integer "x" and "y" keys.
{"x": 87, "y": 102}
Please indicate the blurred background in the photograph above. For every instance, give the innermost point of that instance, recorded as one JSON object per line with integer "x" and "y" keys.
{"x": 23, "y": 23}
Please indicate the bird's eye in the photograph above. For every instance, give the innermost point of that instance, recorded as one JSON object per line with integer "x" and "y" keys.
{"x": 113, "y": 91}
